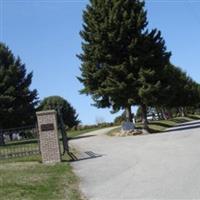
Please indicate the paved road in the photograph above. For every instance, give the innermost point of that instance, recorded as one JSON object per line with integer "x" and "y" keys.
{"x": 158, "y": 166}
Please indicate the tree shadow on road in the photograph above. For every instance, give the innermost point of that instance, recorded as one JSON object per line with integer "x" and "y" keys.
{"x": 89, "y": 155}
{"x": 161, "y": 124}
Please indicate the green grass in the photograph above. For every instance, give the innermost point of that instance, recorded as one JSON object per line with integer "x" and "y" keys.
{"x": 162, "y": 125}
{"x": 26, "y": 179}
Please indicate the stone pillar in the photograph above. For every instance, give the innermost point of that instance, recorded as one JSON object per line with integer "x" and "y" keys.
{"x": 48, "y": 136}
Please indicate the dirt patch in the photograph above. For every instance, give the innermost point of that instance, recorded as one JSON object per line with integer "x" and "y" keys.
{"x": 127, "y": 133}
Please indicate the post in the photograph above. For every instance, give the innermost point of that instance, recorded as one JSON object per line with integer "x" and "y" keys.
{"x": 64, "y": 136}
{"x": 2, "y": 142}
{"x": 48, "y": 136}
{"x": 144, "y": 118}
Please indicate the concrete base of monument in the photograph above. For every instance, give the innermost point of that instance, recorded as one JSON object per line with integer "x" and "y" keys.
{"x": 129, "y": 133}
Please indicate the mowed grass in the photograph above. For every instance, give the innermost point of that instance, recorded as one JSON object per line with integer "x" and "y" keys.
{"x": 161, "y": 125}
{"x": 30, "y": 180}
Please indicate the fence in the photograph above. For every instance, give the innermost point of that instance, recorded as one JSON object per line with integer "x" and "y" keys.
{"x": 19, "y": 142}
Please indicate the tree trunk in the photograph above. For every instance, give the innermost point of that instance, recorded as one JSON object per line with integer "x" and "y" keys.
{"x": 166, "y": 113}
{"x": 182, "y": 112}
{"x": 128, "y": 114}
{"x": 2, "y": 142}
{"x": 163, "y": 113}
{"x": 185, "y": 111}
{"x": 11, "y": 136}
{"x": 144, "y": 118}
{"x": 177, "y": 112}
{"x": 64, "y": 134}
{"x": 170, "y": 114}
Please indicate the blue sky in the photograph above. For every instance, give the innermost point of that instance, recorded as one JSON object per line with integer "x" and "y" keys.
{"x": 45, "y": 34}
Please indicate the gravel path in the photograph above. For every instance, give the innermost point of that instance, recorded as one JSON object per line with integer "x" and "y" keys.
{"x": 157, "y": 166}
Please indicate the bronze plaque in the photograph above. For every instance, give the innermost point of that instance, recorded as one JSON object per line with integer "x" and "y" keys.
{"x": 47, "y": 127}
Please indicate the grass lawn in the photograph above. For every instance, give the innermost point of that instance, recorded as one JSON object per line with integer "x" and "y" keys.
{"x": 162, "y": 125}
{"x": 28, "y": 179}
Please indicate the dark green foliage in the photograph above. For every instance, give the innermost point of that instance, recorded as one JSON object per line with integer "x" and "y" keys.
{"x": 182, "y": 90}
{"x": 153, "y": 60}
{"x": 121, "y": 60}
{"x": 70, "y": 117}
{"x": 17, "y": 101}
{"x": 111, "y": 30}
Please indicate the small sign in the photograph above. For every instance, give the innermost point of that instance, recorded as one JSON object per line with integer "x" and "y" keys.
{"x": 47, "y": 127}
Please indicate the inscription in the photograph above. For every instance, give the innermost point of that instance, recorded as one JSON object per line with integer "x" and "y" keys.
{"x": 47, "y": 127}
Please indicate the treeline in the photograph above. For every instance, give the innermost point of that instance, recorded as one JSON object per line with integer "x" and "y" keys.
{"x": 163, "y": 113}
{"x": 124, "y": 63}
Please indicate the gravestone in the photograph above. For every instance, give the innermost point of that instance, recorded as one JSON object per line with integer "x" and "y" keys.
{"x": 127, "y": 127}
{"x": 48, "y": 136}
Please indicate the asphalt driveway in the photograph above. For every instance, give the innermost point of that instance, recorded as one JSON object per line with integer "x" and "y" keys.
{"x": 157, "y": 166}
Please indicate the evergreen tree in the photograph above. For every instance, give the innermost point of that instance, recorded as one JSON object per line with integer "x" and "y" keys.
{"x": 17, "y": 101}
{"x": 111, "y": 33}
{"x": 183, "y": 91}
{"x": 178, "y": 92}
{"x": 69, "y": 115}
{"x": 122, "y": 61}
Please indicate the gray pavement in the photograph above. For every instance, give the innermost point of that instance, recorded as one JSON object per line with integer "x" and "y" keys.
{"x": 157, "y": 166}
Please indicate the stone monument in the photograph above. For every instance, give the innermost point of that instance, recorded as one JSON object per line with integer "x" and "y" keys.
{"x": 127, "y": 127}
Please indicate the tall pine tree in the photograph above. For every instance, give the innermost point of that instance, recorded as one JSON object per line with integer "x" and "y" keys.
{"x": 17, "y": 101}
{"x": 122, "y": 61}
{"x": 111, "y": 33}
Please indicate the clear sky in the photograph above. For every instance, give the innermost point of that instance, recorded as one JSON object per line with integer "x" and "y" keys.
{"x": 45, "y": 34}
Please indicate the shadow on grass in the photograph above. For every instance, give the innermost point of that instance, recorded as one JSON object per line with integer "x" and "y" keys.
{"x": 152, "y": 131}
{"x": 180, "y": 120}
{"x": 161, "y": 124}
